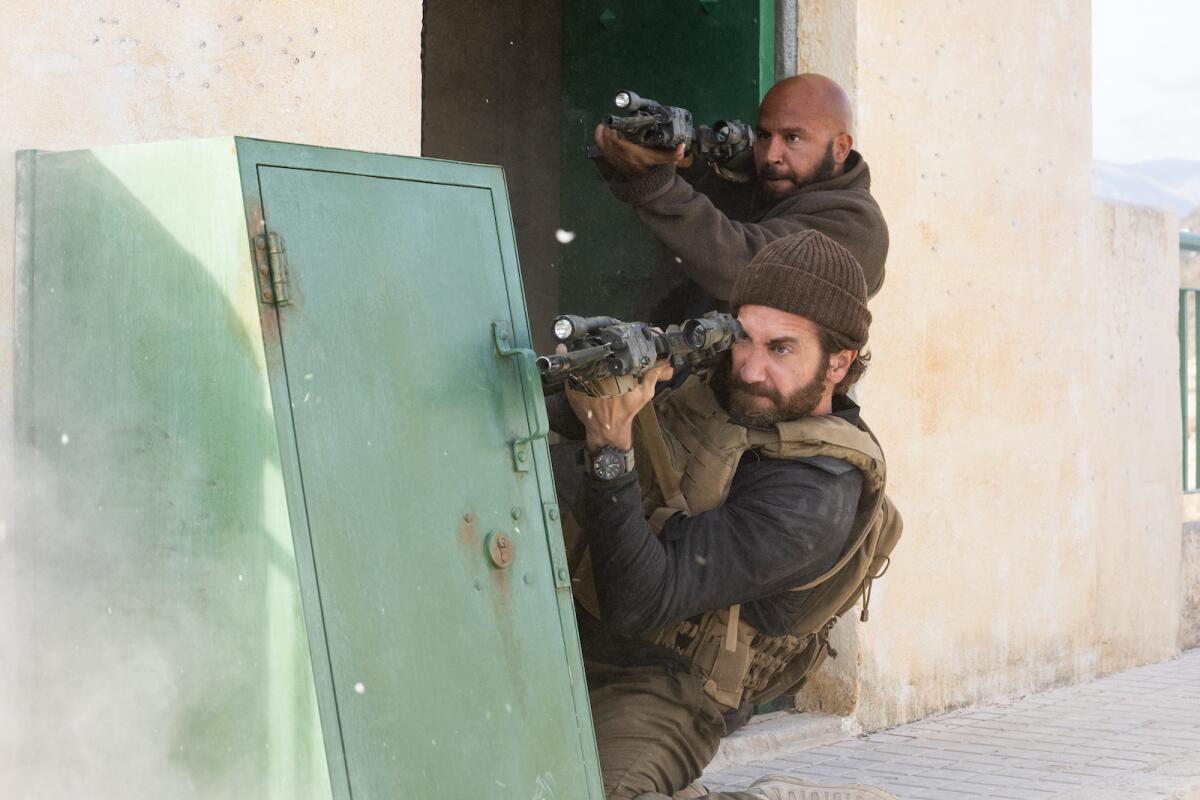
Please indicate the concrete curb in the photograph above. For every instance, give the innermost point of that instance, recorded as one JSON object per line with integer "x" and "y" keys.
{"x": 1132, "y": 735}
{"x": 774, "y": 735}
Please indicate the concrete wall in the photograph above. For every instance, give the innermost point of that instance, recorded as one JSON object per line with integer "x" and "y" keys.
{"x": 826, "y": 33}
{"x": 97, "y": 73}
{"x": 1189, "y": 631}
{"x": 1024, "y": 382}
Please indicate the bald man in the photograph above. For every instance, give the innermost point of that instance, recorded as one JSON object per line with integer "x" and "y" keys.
{"x": 807, "y": 176}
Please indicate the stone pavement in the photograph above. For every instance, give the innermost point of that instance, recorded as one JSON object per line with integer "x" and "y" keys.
{"x": 1134, "y": 735}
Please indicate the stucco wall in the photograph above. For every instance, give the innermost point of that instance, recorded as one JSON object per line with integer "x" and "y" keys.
{"x": 97, "y": 73}
{"x": 1189, "y": 632}
{"x": 1024, "y": 382}
{"x": 825, "y": 31}
{"x": 1024, "y": 375}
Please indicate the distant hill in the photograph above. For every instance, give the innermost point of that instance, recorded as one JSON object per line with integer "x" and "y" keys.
{"x": 1169, "y": 183}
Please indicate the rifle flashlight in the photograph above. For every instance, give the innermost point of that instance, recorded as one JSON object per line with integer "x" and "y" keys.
{"x": 563, "y": 329}
{"x": 569, "y": 328}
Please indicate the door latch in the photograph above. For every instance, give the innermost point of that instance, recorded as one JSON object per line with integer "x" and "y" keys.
{"x": 532, "y": 390}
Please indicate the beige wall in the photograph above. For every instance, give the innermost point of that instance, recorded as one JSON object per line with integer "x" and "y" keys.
{"x": 1024, "y": 379}
{"x": 1189, "y": 633}
{"x": 823, "y": 29}
{"x": 96, "y": 73}
{"x": 1024, "y": 383}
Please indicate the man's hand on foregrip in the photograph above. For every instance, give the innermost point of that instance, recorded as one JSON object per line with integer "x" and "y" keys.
{"x": 628, "y": 158}
{"x": 608, "y": 420}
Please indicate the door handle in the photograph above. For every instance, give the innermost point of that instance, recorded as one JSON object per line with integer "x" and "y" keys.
{"x": 532, "y": 392}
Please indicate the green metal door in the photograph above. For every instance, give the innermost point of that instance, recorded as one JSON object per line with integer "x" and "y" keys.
{"x": 714, "y": 57}
{"x": 450, "y": 674}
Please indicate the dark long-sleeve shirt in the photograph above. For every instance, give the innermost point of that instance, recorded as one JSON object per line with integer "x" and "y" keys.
{"x": 783, "y": 524}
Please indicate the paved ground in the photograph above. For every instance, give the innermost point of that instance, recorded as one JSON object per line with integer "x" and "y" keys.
{"x": 1134, "y": 735}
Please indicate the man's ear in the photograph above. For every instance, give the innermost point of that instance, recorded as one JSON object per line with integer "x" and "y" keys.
{"x": 839, "y": 365}
{"x": 841, "y": 147}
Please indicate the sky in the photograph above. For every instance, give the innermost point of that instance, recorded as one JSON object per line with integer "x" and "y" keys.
{"x": 1145, "y": 80}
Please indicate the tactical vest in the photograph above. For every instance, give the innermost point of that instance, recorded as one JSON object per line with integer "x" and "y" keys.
{"x": 695, "y": 448}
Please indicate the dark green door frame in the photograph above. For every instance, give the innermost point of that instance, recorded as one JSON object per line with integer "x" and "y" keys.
{"x": 714, "y": 57}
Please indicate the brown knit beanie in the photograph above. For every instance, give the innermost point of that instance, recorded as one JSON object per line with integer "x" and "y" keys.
{"x": 808, "y": 274}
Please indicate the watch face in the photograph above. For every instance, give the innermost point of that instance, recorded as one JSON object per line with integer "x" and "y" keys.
{"x": 608, "y": 464}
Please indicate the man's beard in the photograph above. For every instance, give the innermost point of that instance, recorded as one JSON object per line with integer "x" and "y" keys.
{"x": 735, "y": 396}
{"x": 823, "y": 171}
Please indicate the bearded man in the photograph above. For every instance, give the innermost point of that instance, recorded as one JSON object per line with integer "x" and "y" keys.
{"x": 709, "y": 568}
{"x": 807, "y": 177}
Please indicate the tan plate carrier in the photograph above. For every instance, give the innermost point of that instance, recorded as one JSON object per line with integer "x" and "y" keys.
{"x": 695, "y": 448}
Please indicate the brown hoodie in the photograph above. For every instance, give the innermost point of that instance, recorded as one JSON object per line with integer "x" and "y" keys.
{"x": 714, "y": 243}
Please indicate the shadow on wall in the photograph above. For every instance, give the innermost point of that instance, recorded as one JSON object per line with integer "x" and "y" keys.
{"x": 158, "y": 645}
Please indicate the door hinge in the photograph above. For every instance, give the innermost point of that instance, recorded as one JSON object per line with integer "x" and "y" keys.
{"x": 271, "y": 255}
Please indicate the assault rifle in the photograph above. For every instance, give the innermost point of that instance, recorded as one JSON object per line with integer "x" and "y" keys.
{"x": 607, "y": 356}
{"x": 652, "y": 124}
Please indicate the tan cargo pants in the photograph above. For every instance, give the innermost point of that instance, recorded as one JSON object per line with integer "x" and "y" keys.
{"x": 656, "y": 729}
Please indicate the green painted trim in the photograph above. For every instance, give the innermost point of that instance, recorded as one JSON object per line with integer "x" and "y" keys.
{"x": 766, "y": 46}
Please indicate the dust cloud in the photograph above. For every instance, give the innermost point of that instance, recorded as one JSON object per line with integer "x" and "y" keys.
{"x": 95, "y": 695}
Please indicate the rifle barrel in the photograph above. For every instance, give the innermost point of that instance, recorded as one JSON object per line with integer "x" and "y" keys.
{"x": 551, "y": 366}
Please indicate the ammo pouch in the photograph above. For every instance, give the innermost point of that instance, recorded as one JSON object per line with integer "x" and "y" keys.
{"x": 703, "y": 642}
{"x": 759, "y": 669}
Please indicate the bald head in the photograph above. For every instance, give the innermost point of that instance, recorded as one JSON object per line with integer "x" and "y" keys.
{"x": 815, "y": 97}
{"x": 803, "y": 134}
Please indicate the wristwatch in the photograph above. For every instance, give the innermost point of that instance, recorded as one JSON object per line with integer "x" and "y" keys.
{"x": 608, "y": 463}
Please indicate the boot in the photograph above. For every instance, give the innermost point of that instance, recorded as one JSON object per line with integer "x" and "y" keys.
{"x": 693, "y": 789}
{"x": 791, "y": 787}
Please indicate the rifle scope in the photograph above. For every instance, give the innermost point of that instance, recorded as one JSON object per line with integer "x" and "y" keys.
{"x": 733, "y": 132}
{"x": 705, "y": 332}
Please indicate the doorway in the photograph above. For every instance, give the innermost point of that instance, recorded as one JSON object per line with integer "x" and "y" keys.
{"x": 523, "y": 83}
